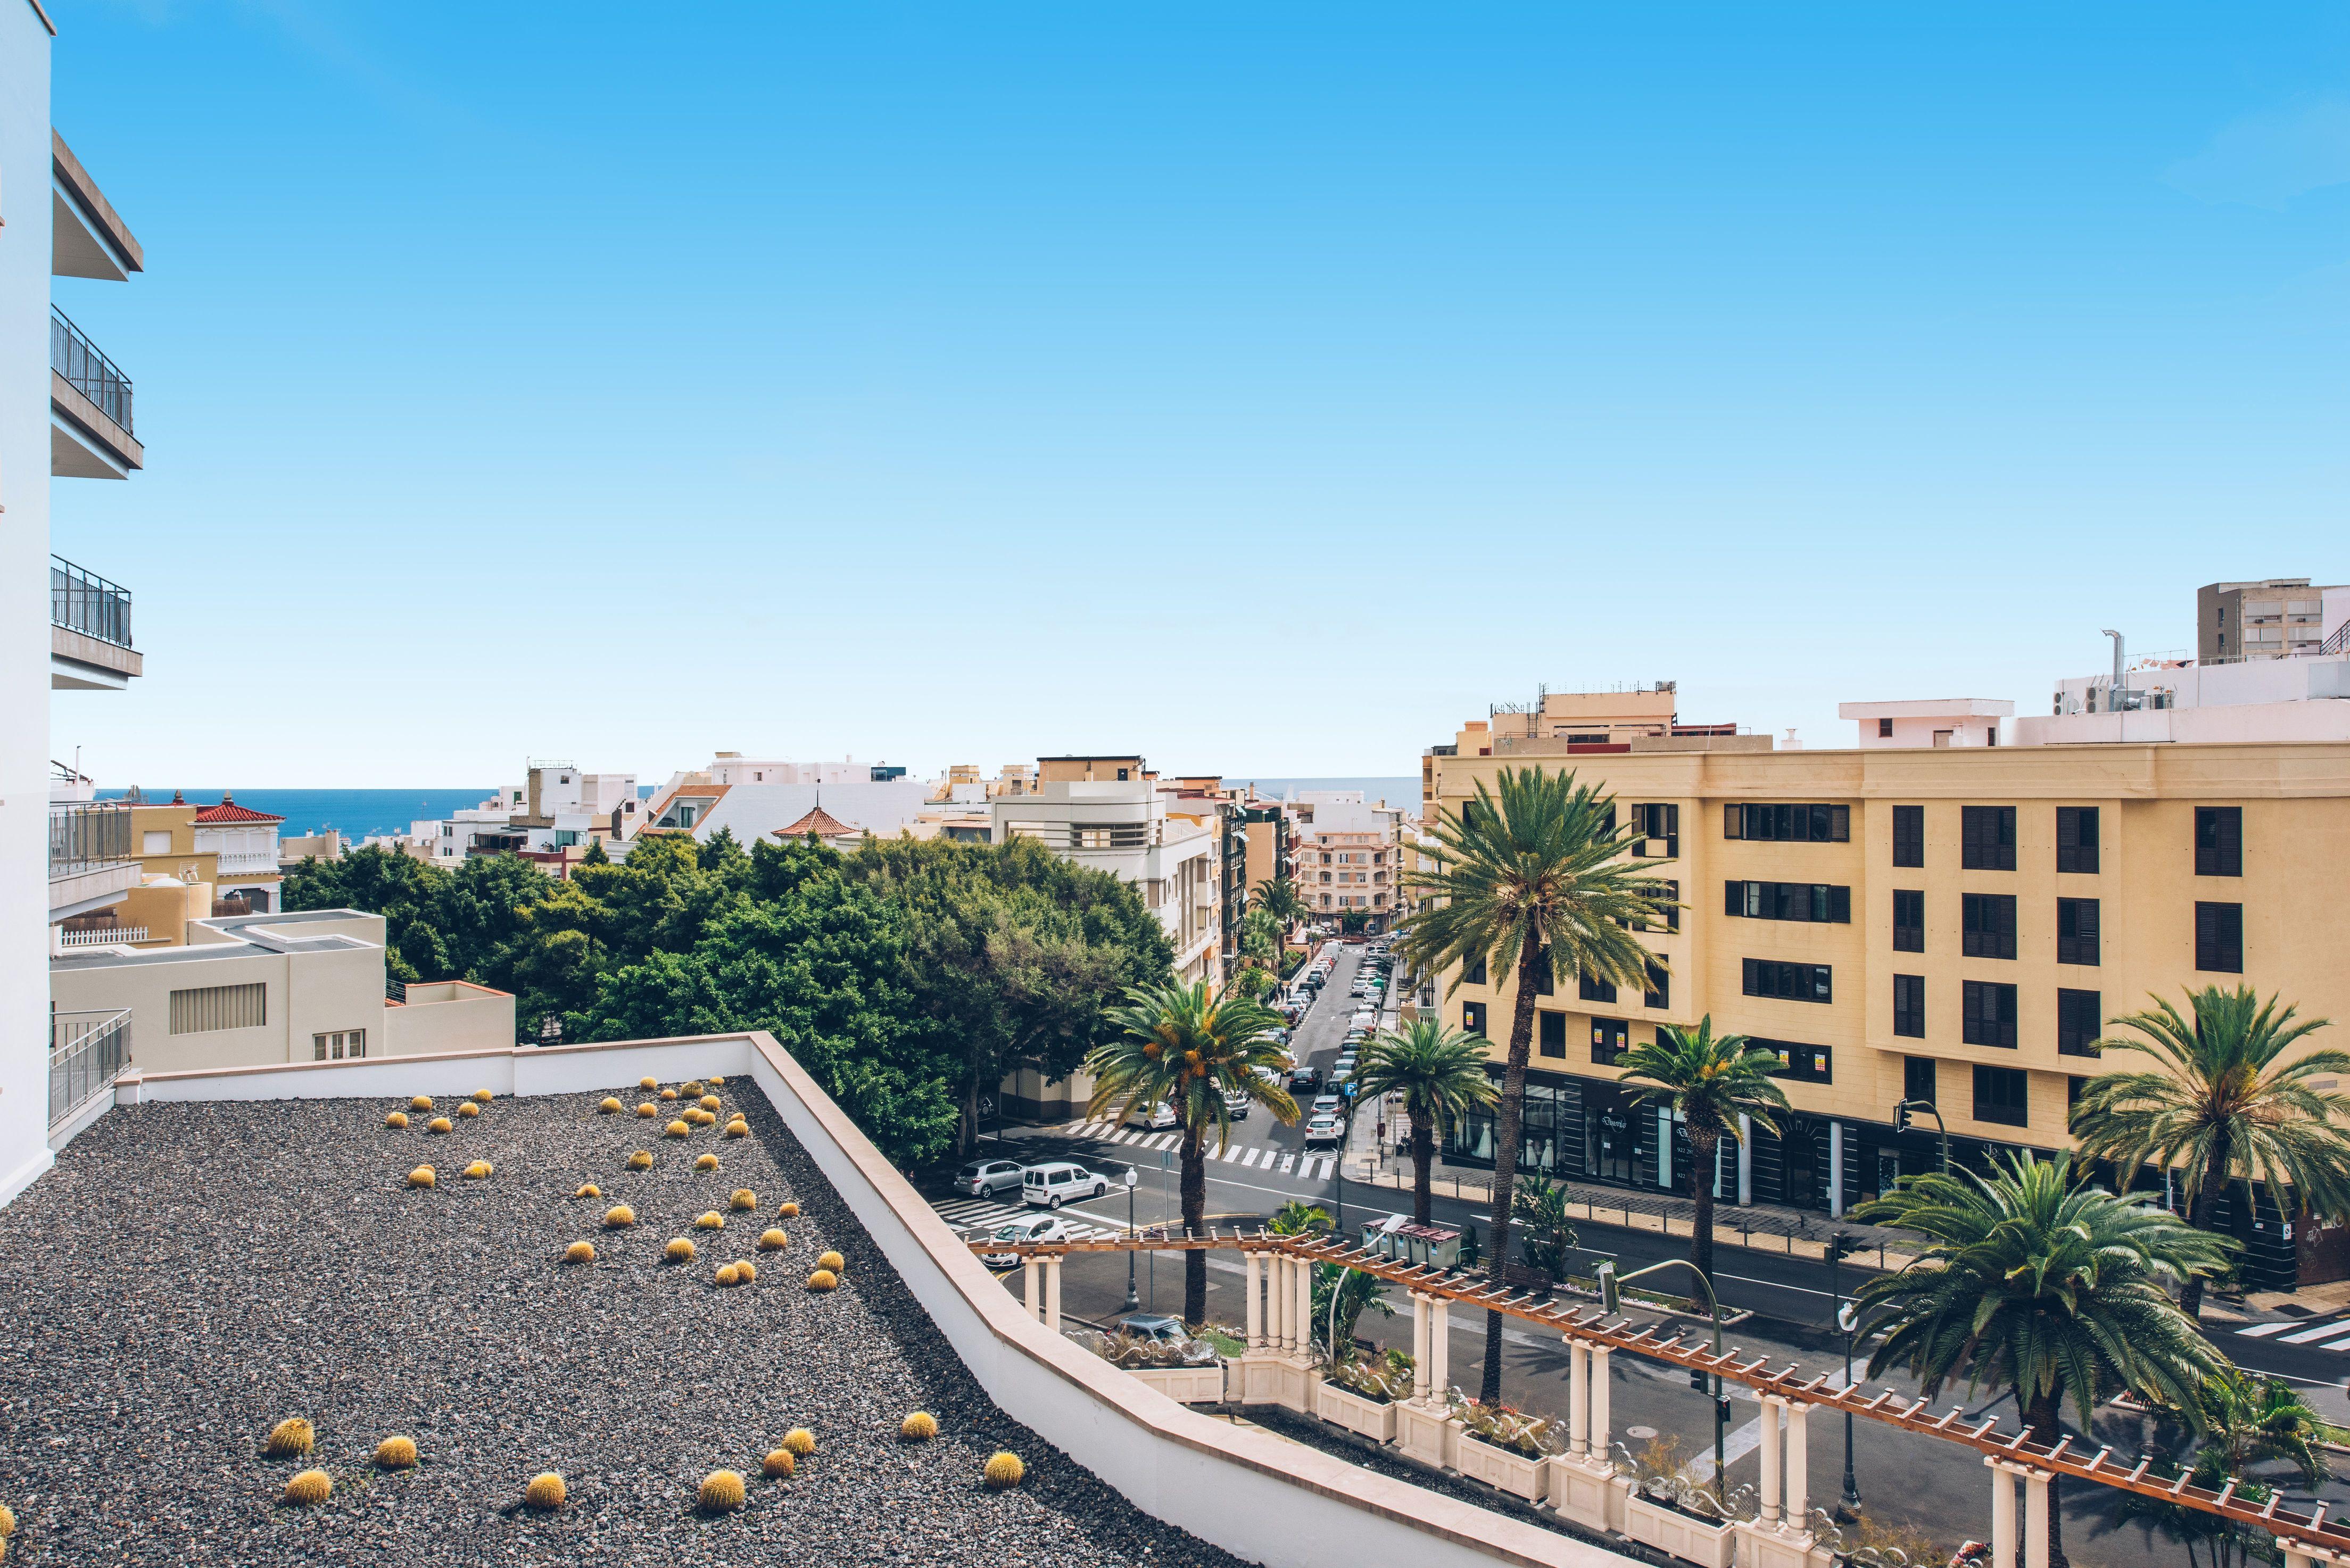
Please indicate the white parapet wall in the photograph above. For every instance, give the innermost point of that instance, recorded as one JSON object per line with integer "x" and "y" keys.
{"x": 1258, "y": 1496}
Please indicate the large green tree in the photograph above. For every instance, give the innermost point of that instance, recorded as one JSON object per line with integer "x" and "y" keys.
{"x": 2044, "y": 1285}
{"x": 2222, "y": 1106}
{"x": 1440, "y": 1073}
{"x": 1533, "y": 879}
{"x": 1709, "y": 1081}
{"x": 1180, "y": 1045}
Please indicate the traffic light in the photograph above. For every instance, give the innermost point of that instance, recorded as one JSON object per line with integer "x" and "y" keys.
{"x": 1901, "y": 1116}
{"x": 1842, "y": 1245}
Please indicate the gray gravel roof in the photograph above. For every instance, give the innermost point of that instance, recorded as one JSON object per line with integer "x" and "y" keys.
{"x": 189, "y": 1274}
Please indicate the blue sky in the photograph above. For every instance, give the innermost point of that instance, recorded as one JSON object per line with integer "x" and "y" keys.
{"x": 957, "y": 383}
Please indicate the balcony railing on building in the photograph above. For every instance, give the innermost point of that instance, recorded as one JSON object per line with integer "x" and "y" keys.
{"x": 101, "y": 936}
{"x": 87, "y": 603}
{"x": 73, "y": 356}
{"x": 242, "y": 863}
{"x": 87, "y": 1050}
{"x": 87, "y": 834}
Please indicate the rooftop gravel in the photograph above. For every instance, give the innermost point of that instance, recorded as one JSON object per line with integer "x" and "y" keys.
{"x": 190, "y": 1274}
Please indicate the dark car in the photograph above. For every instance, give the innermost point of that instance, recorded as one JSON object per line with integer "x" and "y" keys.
{"x": 1304, "y": 1078}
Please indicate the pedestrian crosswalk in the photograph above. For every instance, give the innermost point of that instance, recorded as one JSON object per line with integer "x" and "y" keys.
{"x": 978, "y": 1214}
{"x": 1307, "y": 1167}
{"x": 2334, "y": 1330}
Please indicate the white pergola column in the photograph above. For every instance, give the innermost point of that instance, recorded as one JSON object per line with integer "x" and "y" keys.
{"x": 2002, "y": 1514}
{"x": 1031, "y": 1285}
{"x": 1255, "y": 1311}
{"x": 1053, "y": 1294}
{"x": 1439, "y": 1349}
{"x": 1578, "y": 1397}
{"x": 1419, "y": 1349}
{"x": 1599, "y": 1354}
{"x": 1276, "y": 1302}
{"x": 2035, "y": 1519}
{"x": 1799, "y": 1465}
{"x": 1768, "y": 1515}
{"x": 1745, "y": 1160}
{"x": 1304, "y": 1309}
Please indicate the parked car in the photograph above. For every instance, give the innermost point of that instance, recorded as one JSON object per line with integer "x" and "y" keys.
{"x": 1236, "y": 1106}
{"x": 986, "y": 1177}
{"x": 1304, "y": 1078}
{"x": 1152, "y": 1325}
{"x": 1060, "y": 1182}
{"x": 1325, "y": 1104}
{"x": 1044, "y": 1228}
{"x": 1155, "y": 1117}
{"x": 1323, "y": 1129}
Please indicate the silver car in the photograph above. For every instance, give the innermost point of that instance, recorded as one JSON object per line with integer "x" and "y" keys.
{"x": 985, "y": 1178}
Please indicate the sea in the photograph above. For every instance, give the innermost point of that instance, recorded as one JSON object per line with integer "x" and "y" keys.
{"x": 357, "y": 812}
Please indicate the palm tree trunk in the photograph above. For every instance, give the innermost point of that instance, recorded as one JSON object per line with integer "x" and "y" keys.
{"x": 1706, "y": 1147}
{"x": 1508, "y": 1123}
{"x": 2198, "y": 1214}
{"x": 2043, "y": 1420}
{"x": 1423, "y": 1156}
{"x": 1195, "y": 1223}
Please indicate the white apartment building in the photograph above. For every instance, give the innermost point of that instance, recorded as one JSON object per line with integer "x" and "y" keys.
{"x": 734, "y": 768}
{"x": 65, "y": 411}
{"x": 551, "y": 817}
{"x": 2303, "y": 698}
{"x": 1347, "y": 858}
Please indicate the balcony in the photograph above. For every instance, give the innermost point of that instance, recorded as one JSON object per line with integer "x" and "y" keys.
{"x": 89, "y": 632}
{"x": 89, "y": 857}
{"x": 88, "y": 237}
{"x": 87, "y": 1050}
{"x": 246, "y": 865}
{"x": 89, "y": 409}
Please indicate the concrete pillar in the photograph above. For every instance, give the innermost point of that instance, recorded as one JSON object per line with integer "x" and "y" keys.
{"x": 1599, "y": 1354}
{"x": 2002, "y": 1515}
{"x": 1031, "y": 1285}
{"x": 1249, "y": 1265}
{"x": 1799, "y": 1465}
{"x": 1578, "y": 1397}
{"x": 1745, "y": 1160}
{"x": 1304, "y": 1309}
{"x": 1276, "y": 1302}
{"x": 1439, "y": 1349}
{"x": 1836, "y": 1170}
{"x": 1053, "y": 1294}
{"x": 2035, "y": 1519}
{"x": 1420, "y": 1305}
{"x": 1771, "y": 1405}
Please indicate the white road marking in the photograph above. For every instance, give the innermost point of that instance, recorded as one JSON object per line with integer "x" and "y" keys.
{"x": 1286, "y": 1161}
{"x": 2306, "y": 1335}
{"x": 2263, "y": 1330}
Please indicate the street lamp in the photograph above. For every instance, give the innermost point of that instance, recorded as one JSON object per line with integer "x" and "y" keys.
{"x": 1133, "y": 1180}
{"x": 1610, "y": 1296}
{"x": 1847, "y": 1318}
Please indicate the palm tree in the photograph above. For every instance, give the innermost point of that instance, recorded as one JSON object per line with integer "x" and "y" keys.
{"x": 1439, "y": 1072}
{"x": 1534, "y": 878}
{"x": 1190, "y": 1049}
{"x": 2219, "y": 1105}
{"x": 1711, "y": 1081}
{"x": 2046, "y": 1284}
{"x": 2248, "y": 1419}
{"x": 1279, "y": 896}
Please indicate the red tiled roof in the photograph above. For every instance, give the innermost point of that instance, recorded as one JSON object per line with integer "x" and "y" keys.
{"x": 229, "y": 811}
{"x": 819, "y": 821}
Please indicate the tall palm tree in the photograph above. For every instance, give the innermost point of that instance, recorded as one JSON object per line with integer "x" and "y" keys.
{"x": 2219, "y": 1105}
{"x": 1180, "y": 1045}
{"x": 2042, "y": 1282}
{"x": 1439, "y": 1072}
{"x": 1279, "y": 896}
{"x": 1532, "y": 878}
{"x": 1710, "y": 1080}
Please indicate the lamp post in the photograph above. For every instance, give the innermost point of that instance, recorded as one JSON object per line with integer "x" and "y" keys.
{"x": 1133, "y": 1180}
{"x": 1839, "y": 1246}
{"x": 1611, "y": 1298}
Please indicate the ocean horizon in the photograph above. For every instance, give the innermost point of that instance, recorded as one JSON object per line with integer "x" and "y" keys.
{"x": 356, "y": 813}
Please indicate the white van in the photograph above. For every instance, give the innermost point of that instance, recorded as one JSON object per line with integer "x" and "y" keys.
{"x": 1050, "y": 1186}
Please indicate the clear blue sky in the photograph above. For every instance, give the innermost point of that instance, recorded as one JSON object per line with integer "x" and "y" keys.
{"x": 961, "y": 382}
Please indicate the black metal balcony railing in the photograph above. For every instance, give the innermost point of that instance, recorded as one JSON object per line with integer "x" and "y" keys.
{"x": 93, "y": 375}
{"x": 87, "y": 1050}
{"x": 87, "y": 834}
{"x": 84, "y": 602}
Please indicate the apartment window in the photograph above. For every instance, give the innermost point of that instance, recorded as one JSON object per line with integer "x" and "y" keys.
{"x": 2076, "y": 839}
{"x": 336, "y": 1046}
{"x": 1788, "y": 982}
{"x": 1910, "y": 835}
{"x": 1325, "y": 876}
{"x": 1121, "y": 776}
{"x": 155, "y": 841}
{"x": 2001, "y": 1095}
{"x": 2219, "y": 841}
{"x": 1659, "y": 991}
{"x": 1987, "y": 1014}
{"x": 1475, "y": 973}
{"x": 1805, "y": 1064}
{"x": 1987, "y": 925}
{"x": 1472, "y": 1017}
{"x": 1672, "y": 905}
{"x": 1653, "y": 823}
{"x": 1987, "y": 838}
{"x": 2077, "y": 931}
{"x": 206, "y": 1008}
{"x": 1326, "y": 859}
{"x": 1609, "y": 1039}
{"x": 1909, "y": 919}
{"x": 1885, "y": 729}
{"x": 1800, "y": 824}
{"x": 1909, "y": 1005}
{"x": 1593, "y": 990}
{"x": 2220, "y": 937}
{"x": 1818, "y": 901}
{"x": 1917, "y": 1078}
{"x": 2080, "y": 1019}
{"x": 1540, "y": 966}
{"x": 1551, "y": 1033}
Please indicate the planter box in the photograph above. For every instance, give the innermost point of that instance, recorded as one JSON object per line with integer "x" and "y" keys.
{"x": 1505, "y": 1468}
{"x": 1763, "y": 1546}
{"x": 1345, "y": 1408}
{"x": 1589, "y": 1493}
{"x": 1652, "y": 1523}
{"x": 1185, "y": 1384}
{"x": 1427, "y": 1434}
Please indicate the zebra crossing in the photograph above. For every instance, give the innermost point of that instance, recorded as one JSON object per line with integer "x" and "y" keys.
{"x": 975, "y": 1214}
{"x": 1280, "y": 1162}
{"x": 2334, "y": 1330}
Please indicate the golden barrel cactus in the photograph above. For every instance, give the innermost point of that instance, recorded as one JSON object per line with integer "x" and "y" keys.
{"x": 439, "y": 1124}
{"x": 642, "y": 1160}
{"x": 649, "y": 1110}
{"x": 607, "y": 1107}
{"x": 738, "y": 1130}
{"x": 832, "y": 1261}
{"x": 721, "y": 1491}
{"x": 726, "y": 1274}
{"x": 479, "y": 1171}
{"x": 709, "y": 1101}
{"x": 778, "y": 1465}
{"x": 789, "y": 1212}
{"x": 545, "y": 1490}
{"x": 746, "y": 1273}
{"x": 648, "y": 1083}
{"x": 422, "y": 1176}
{"x": 1004, "y": 1470}
{"x": 469, "y": 1109}
{"x": 289, "y": 1437}
{"x": 709, "y": 1220}
{"x": 397, "y": 1119}
{"x": 676, "y": 1129}
{"x": 421, "y": 1103}
{"x": 395, "y": 1453}
{"x": 588, "y": 1190}
{"x": 619, "y": 1217}
{"x": 823, "y": 1280}
{"x": 679, "y": 1251}
{"x": 773, "y": 1241}
{"x": 691, "y": 1088}
{"x": 483, "y": 1096}
{"x": 743, "y": 1199}
{"x": 919, "y": 1428}
{"x": 669, "y": 1094}
{"x": 800, "y": 1441}
{"x": 309, "y": 1487}
{"x": 706, "y": 1162}
{"x": 579, "y": 1252}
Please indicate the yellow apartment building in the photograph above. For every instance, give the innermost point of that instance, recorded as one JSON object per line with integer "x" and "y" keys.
{"x": 1951, "y": 925}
